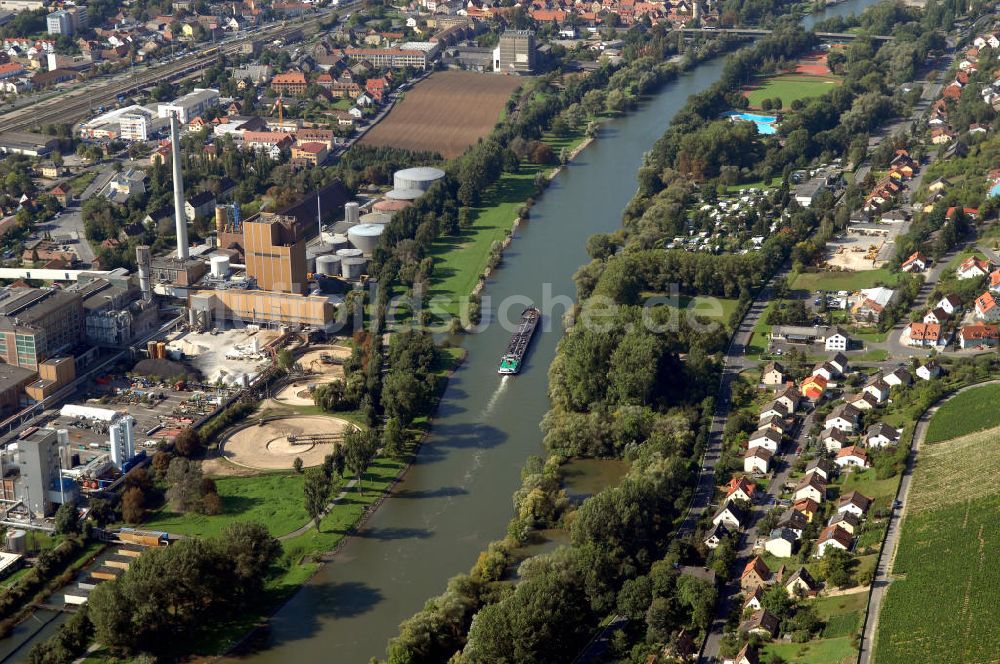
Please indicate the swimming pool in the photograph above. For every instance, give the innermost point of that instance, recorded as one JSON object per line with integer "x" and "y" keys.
{"x": 766, "y": 124}
{"x": 995, "y": 189}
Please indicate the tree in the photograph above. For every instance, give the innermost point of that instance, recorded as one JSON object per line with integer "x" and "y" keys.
{"x": 404, "y": 396}
{"x": 100, "y": 511}
{"x": 297, "y": 464}
{"x": 67, "y": 519}
{"x": 359, "y": 451}
{"x": 393, "y": 438}
{"x": 250, "y": 550}
{"x": 133, "y": 505}
{"x": 836, "y": 567}
{"x": 161, "y": 463}
{"x": 188, "y": 443}
{"x": 185, "y": 486}
{"x": 333, "y": 464}
{"x": 316, "y": 490}
{"x": 285, "y": 359}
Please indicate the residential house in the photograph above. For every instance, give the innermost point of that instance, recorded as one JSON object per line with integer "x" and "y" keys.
{"x": 846, "y": 520}
{"x": 309, "y": 154}
{"x": 877, "y": 387}
{"x": 747, "y": 655}
{"x": 832, "y": 537}
{"x": 844, "y": 417}
{"x": 800, "y": 583}
{"x": 881, "y": 434}
{"x": 852, "y": 457}
{"x": 774, "y": 374}
{"x": 932, "y": 369}
{"x": 898, "y": 376}
{"x": 807, "y": 507}
{"x": 833, "y": 439}
{"x": 937, "y": 316}
{"x": 950, "y": 304}
{"x": 290, "y": 82}
{"x": 780, "y": 543}
{"x": 835, "y": 341}
{"x": 839, "y": 361}
{"x": 986, "y": 307}
{"x": 923, "y": 335}
{"x": 200, "y": 205}
{"x": 793, "y": 520}
{"x": 762, "y": 623}
{"x": 811, "y": 486}
{"x": 995, "y": 281}
{"x": 813, "y": 387}
{"x": 63, "y": 194}
{"x": 755, "y": 574}
{"x": 822, "y": 467}
{"x": 862, "y": 401}
{"x": 731, "y": 516}
{"x": 871, "y": 304}
{"x": 974, "y": 336}
{"x": 775, "y": 408}
{"x": 715, "y": 536}
{"x": 917, "y": 262}
{"x": 826, "y": 370}
{"x": 753, "y": 600}
{"x": 855, "y": 503}
{"x": 757, "y": 460}
{"x": 740, "y": 489}
{"x": 788, "y": 397}
{"x": 973, "y": 267}
{"x": 776, "y": 423}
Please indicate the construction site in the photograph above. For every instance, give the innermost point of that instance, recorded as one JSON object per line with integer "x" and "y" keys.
{"x": 863, "y": 247}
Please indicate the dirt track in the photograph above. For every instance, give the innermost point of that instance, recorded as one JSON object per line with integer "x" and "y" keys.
{"x": 445, "y": 113}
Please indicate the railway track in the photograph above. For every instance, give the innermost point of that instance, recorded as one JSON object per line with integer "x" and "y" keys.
{"x": 78, "y": 103}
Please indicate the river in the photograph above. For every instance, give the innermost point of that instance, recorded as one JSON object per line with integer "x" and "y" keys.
{"x": 457, "y": 495}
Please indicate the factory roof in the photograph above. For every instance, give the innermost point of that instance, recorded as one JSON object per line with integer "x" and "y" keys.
{"x": 24, "y": 306}
{"x": 88, "y": 412}
{"x": 12, "y": 377}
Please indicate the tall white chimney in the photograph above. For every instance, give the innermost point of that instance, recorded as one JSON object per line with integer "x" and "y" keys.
{"x": 180, "y": 220}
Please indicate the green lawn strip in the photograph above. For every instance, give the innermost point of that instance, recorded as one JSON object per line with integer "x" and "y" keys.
{"x": 759, "y": 184}
{"x": 850, "y": 281}
{"x": 273, "y": 499}
{"x": 704, "y": 306}
{"x": 948, "y": 554}
{"x": 823, "y": 651}
{"x": 791, "y": 87}
{"x": 970, "y": 411}
{"x": 867, "y": 483}
{"x": 460, "y": 259}
{"x": 81, "y": 182}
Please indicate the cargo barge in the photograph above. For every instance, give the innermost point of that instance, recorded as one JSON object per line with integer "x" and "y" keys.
{"x": 511, "y": 361}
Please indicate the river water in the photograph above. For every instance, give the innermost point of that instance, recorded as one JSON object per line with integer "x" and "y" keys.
{"x": 457, "y": 495}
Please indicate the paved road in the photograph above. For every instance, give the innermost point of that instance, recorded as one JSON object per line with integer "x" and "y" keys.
{"x": 883, "y": 577}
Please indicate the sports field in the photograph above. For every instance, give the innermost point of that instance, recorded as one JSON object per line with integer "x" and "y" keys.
{"x": 941, "y": 606}
{"x": 789, "y": 87}
{"x": 968, "y": 412}
{"x": 445, "y": 113}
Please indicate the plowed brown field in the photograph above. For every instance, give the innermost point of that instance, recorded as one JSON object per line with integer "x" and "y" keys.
{"x": 445, "y": 113}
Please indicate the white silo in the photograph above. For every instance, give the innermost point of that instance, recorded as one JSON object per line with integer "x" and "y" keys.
{"x": 365, "y": 237}
{"x": 352, "y": 212}
{"x": 219, "y": 266}
{"x": 328, "y": 265}
{"x": 352, "y": 267}
{"x": 339, "y": 241}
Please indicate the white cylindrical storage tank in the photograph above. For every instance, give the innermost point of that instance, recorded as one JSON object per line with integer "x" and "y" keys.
{"x": 328, "y": 265}
{"x": 339, "y": 241}
{"x": 365, "y": 237}
{"x": 352, "y": 212}
{"x": 350, "y": 252}
{"x": 352, "y": 267}
{"x": 420, "y": 178}
{"x": 219, "y": 266}
{"x": 17, "y": 541}
{"x": 62, "y": 436}
{"x": 310, "y": 263}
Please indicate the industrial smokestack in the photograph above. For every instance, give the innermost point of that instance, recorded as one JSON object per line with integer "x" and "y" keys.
{"x": 180, "y": 220}
{"x": 143, "y": 259}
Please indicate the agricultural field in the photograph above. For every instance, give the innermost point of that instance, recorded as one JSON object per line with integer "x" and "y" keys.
{"x": 941, "y": 606}
{"x": 968, "y": 412}
{"x": 446, "y": 113}
{"x": 789, "y": 88}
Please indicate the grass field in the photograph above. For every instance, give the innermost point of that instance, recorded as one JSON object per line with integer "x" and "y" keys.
{"x": 970, "y": 411}
{"x": 274, "y": 499}
{"x": 81, "y": 182}
{"x": 446, "y": 113}
{"x": 460, "y": 259}
{"x": 851, "y": 281}
{"x": 823, "y": 651}
{"x": 942, "y": 605}
{"x": 712, "y": 308}
{"x": 790, "y": 87}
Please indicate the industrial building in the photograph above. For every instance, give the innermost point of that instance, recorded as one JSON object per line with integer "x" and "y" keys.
{"x": 36, "y": 323}
{"x": 411, "y": 183}
{"x": 114, "y": 314}
{"x": 275, "y": 253}
{"x": 26, "y": 143}
{"x": 120, "y": 427}
{"x": 515, "y": 54}
{"x": 190, "y": 105}
{"x": 31, "y": 469}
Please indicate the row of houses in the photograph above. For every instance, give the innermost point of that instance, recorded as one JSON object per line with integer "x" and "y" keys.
{"x": 902, "y": 168}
